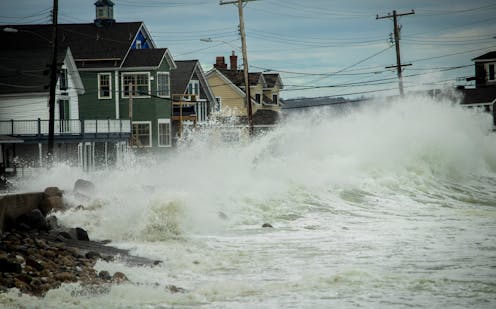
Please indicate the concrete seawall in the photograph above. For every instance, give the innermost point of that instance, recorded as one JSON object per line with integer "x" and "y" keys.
{"x": 14, "y": 205}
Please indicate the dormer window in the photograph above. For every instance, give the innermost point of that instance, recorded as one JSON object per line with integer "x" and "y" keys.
{"x": 138, "y": 44}
{"x": 275, "y": 98}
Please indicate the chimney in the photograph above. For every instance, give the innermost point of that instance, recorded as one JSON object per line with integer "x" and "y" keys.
{"x": 220, "y": 62}
{"x": 234, "y": 61}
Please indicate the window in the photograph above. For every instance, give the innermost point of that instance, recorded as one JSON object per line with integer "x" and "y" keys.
{"x": 100, "y": 12}
{"x": 218, "y": 104}
{"x": 164, "y": 133}
{"x": 163, "y": 84}
{"x": 194, "y": 87}
{"x": 258, "y": 98}
{"x": 491, "y": 72}
{"x": 63, "y": 81}
{"x": 275, "y": 98}
{"x": 138, "y": 44}
{"x": 140, "y": 83}
{"x": 142, "y": 135}
{"x": 104, "y": 86}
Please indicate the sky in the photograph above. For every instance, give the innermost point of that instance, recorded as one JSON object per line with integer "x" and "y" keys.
{"x": 320, "y": 47}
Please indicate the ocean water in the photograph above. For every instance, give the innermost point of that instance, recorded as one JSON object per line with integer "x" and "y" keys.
{"x": 390, "y": 205}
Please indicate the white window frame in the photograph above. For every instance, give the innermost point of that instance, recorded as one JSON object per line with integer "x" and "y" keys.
{"x": 194, "y": 85}
{"x": 164, "y": 121}
{"x": 123, "y": 74}
{"x": 168, "y": 86}
{"x": 110, "y": 86}
{"x": 149, "y": 123}
{"x": 138, "y": 44}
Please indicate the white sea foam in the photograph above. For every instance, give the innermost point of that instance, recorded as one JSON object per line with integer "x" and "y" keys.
{"x": 386, "y": 205}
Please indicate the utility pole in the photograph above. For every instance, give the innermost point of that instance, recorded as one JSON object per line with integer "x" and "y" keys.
{"x": 396, "y": 32}
{"x": 245, "y": 58}
{"x": 53, "y": 84}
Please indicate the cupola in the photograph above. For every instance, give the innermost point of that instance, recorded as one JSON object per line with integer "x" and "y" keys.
{"x": 104, "y": 12}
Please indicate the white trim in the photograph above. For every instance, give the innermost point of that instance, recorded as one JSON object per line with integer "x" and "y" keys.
{"x": 168, "y": 80}
{"x": 150, "y": 132}
{"x": 109, "y": 74}
{"x": 160, "y": 121}
{"x": 135, "y": 73}
{"x": 117, "y": 103}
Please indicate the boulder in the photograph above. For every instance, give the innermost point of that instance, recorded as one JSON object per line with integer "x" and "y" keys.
{"x": 51, "y": 203}
{"x": 66, "y": 277}
{"x": 81, "y": 234}
{"x": 52, "y": 191}
{"x": 84, "y": 187}
{"x": 267, "y": 225}
{"x": 119, "y": 277}
{"x": 63, "y": 233}
{"x": 104, "y": 275}
{"x": 33, "y": 219}
{"x": 7, "y": 266}
{"x": 52, "y": 222}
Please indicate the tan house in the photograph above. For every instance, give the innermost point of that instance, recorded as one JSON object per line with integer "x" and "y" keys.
{"x": 228, "y": 87}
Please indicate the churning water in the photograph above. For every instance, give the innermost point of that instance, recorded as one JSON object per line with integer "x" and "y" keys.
{"x": 392, "y": 205}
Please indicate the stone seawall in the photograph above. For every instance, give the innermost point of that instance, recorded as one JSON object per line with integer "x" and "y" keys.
{"x": 14, "y": 205}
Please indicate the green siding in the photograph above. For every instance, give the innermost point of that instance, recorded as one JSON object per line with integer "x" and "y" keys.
{"x": 144, "y": 109}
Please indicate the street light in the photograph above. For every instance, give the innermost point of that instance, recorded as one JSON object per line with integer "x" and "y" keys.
{"x": 210, "y": 40}
{"x": 53, "y": 83}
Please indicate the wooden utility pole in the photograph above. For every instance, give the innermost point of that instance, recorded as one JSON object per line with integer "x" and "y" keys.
{"x": 53, "y": 83}
{"x": 396, "y": 32}
{"x": 245, "y": 58}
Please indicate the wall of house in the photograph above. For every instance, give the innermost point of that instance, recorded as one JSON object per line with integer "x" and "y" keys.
{"x": 230, "y": 98}
{"x": 141, "y": 37}
{"x": 90, "y": 107}
{"x": 24, "y": 107}
{"x": 71, "y": 94}
{"x": 149, "y": 109}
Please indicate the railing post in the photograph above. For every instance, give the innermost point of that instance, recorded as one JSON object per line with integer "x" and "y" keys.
{"x": 82, "y": 127}
{"x": 96, "y": 128}
{"x": 11, "y": 126}
{"x": 39, "y": 127}
{"x": 108, "y": 127}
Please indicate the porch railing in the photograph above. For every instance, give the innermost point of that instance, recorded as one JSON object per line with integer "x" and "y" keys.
{"x": 64, "y": 127}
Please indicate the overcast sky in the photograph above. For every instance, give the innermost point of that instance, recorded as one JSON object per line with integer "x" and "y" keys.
{"x": 320, "y": 47}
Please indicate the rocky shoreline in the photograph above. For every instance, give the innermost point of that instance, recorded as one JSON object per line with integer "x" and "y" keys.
{"x": 35, "y": 265}
{"x": 37, "y": 254}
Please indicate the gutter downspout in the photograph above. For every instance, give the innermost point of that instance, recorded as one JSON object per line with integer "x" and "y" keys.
{"x": 116, "y": 92}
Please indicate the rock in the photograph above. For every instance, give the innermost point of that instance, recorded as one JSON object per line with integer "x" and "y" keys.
{"x": 52, "y": 203}
{"x": 84, "y": 187}
{"x": 267, "y": 225}
{"x": 92, "y": 255}
{"x": 52, "y": 191}
{"x": 119, "y": 277}
{"x": 66, "y": 277}
{"x": 81, "y": 234}
{"x": 222, "y": 215}
{"x": 33, "y": 219}
{"x": 35, "y": 264}
{"x": 7, "y": 266}
{"x": 52, "y": 222}
{"x": 104, "y": 275}
{"x": 175, "y": 289}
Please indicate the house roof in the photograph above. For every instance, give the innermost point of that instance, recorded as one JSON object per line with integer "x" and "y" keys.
{"x": 271, "y": 79}
{"x": 181, "y": 76}
{"x": 479, "y": 95}
{"x": 87, "y": 41}
{"x": 26, "y": 71}
{"x": 486, "y": 56}
{"x": 237, "y": 77}
{"x": 145, "y": 57}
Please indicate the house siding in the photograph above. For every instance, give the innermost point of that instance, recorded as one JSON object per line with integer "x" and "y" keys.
{"x": 229, "y": 97}
{"x": 90, "y": 107}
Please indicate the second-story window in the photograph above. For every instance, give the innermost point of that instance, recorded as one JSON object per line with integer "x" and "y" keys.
{"x": 139, "y": 82}
{"x": 104, "y": 86}
{"x": 194, "y": 87}
{"x": 491, "y": 72}
{"x": 258, "y": 98}
{"x": 63, "y": 80}
{"x": 275, "y": 99}
{"x": 163, "y": 84}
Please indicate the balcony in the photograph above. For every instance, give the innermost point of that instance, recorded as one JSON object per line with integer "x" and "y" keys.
{"x": 67, "y": 130}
